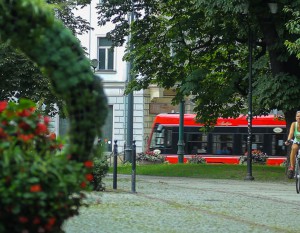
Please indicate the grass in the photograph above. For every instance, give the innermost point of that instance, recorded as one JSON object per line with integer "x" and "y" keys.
{"x": 208, "y": 171}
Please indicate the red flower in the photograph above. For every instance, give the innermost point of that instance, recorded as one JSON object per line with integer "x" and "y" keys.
{"x": 2, "y": 133}
{"x": 32, "y": 109}
{"x": 88, "y": 164}
{"x": 89, "y": 177}
{"x": 3, "y": 105}
{"x": 36, "y": 221}
{"x": 41, "y": 128}
{"x": 35, "y": 188}
{"x": 51, "y": 221}
{"x": 52, "y": 136}
{"x": 57, "y": 146}
{"x": 60, "y": 146}
{"x": 83, "y": 185}
{"x": 25, "y": 137}
{"x": 23, "y": 125}
{"x": 23, "y": 219}
{"x": 24, "y": 113}
{"x": 46, "y": 120}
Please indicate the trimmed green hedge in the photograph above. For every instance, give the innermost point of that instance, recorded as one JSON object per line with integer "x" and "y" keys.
{"x": 30, "y": 25}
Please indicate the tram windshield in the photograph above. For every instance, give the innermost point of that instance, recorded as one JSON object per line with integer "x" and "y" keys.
{"x": 161, "y": 137}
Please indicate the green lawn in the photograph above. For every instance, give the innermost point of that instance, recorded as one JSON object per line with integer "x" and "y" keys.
{"x": 209, "y": 171}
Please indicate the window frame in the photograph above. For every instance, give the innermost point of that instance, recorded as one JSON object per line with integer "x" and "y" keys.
{"x": 107, "y": 51}
{"x": 220, "y": 142}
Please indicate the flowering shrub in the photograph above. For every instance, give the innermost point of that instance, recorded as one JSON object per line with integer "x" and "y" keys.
{"x": 58, "y": 52}
{"x": 257, "y": 157}
{"x": 40, "y": 186}
{"x": 153, "y": 156}
{"x": 279, "y": 117}
{"x": 21, "y": 126}
{"x": 196, "y": 159}
{"x": 100, "y": 169}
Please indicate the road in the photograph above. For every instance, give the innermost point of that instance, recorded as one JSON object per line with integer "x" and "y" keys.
{"x": 171, "y": 205}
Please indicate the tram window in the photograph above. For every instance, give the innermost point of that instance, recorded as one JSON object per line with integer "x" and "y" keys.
{"x": 257, "y": 142}
{"x": 158, "y": 137}
{"x": 159, "y": 128}
{"x": 159, "y": 141}
{"x": 196, "y": 143}
{"x": 169, "y": 138}
{"x": 222, "y": 143}
{"x": 278, "y": 147}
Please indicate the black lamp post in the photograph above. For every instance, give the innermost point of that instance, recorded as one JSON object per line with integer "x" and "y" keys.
{"x": 130, "y": 99}
{"x": 249, "y": 138}
{"x": 180, "y": 143}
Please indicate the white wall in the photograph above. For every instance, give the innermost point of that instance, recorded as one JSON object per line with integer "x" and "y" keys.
{"x": 114, "y": 82}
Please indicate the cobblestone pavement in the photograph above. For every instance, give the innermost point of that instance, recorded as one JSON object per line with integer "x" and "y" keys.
{"x": 176, "y": 205}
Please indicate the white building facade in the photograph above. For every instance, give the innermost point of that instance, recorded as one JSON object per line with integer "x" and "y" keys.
{"x": 113, "y": 72}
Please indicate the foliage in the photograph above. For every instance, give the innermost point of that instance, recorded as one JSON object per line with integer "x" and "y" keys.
{"x": 62, "y": 59}
{"x": 152, "y": 156}
{"x": 21, "y": 78}
{"x": 257, "y": 157}
{"x": 100, "y": 169}
{"x": 293, "y": 44}
{"x": 200, "y": 48}
{"x": 196, "y": 159}
{"x": 39, "y": 186}
{"x": 65, "y": 11}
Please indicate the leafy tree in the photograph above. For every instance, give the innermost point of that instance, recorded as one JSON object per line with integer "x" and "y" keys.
{"x": 293, "y": 27}
{"x": 20, "y": 78}
{"x": 64, "y": 10}
{"x": 201, "y": 48}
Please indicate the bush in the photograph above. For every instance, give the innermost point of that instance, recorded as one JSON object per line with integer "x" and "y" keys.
{"x": 258, "y": 157}
{"x": 100, "y": 170}
{"x": 197, "y": 159}
{"x": 152, "y": 156}
{"x": 40, "y": 187}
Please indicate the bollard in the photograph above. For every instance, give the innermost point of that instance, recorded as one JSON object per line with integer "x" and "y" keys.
{"x": 133, "y": 173}
{"x": 115, "y": 165}
{"x": 124, "y": 158}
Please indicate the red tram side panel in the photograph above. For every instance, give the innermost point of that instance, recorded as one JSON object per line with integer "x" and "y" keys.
{"x": 268, "y": 132}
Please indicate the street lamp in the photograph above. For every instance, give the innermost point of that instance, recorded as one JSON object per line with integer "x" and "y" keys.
{"x": 130, "y": 98}
{"x": 94, "y": 64}
{"x": 273, "y": 9}
{"x": 249, "y": 138}
{"x": 180, "y": 143}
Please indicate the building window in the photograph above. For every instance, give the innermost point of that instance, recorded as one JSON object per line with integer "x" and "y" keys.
{"x": 105, "y": 54}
